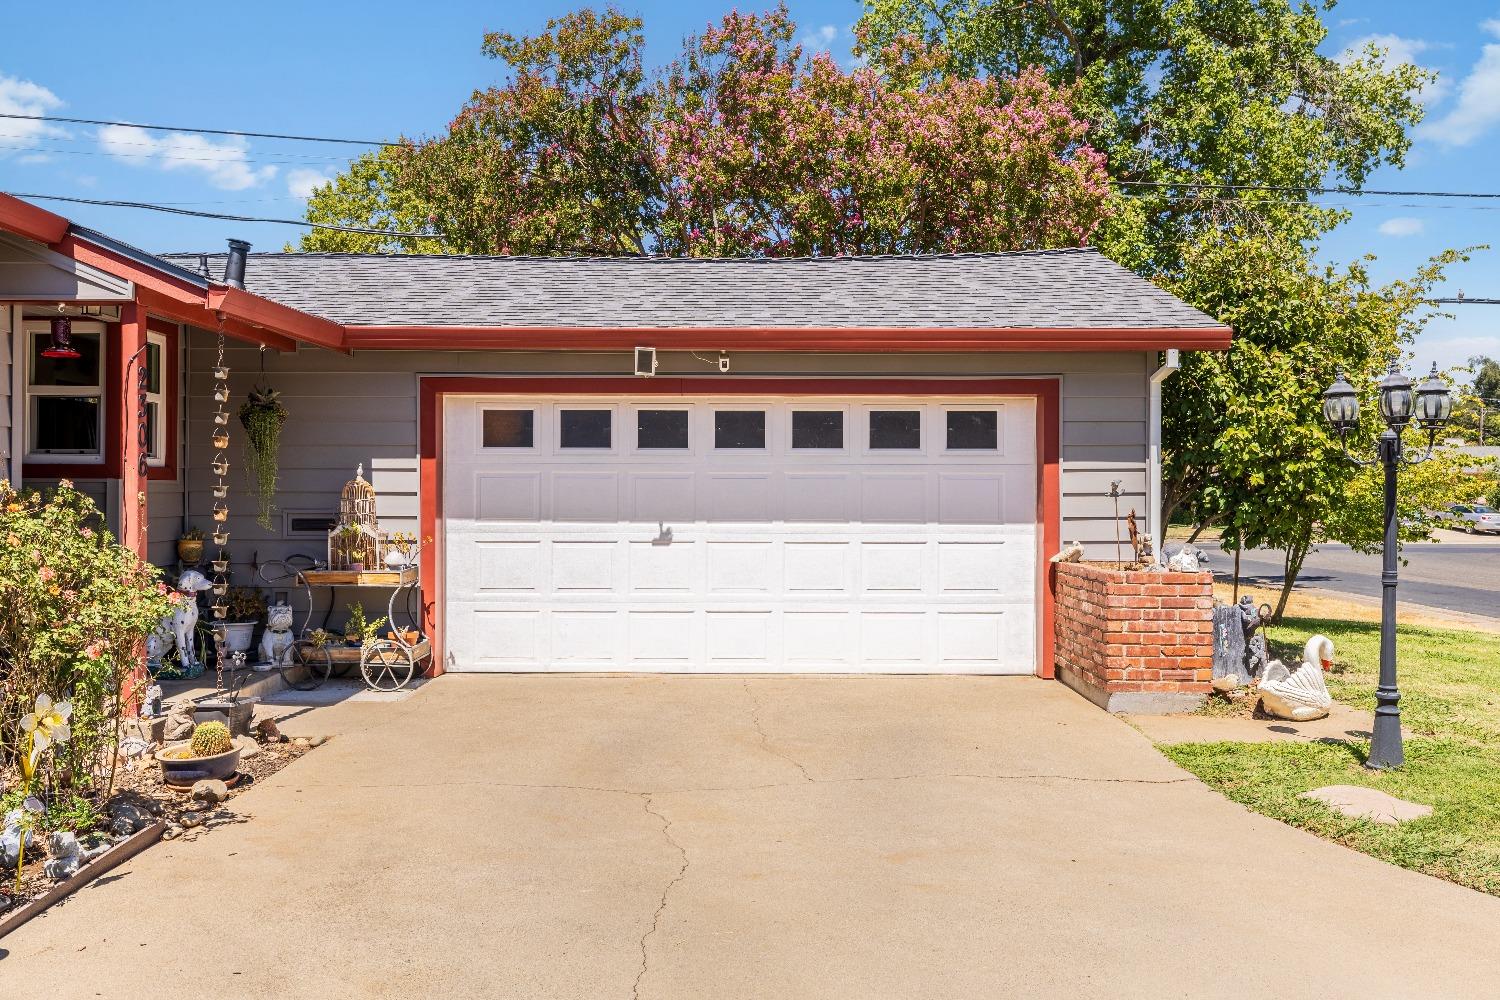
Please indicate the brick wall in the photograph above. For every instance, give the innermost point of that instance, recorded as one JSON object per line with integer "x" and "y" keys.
{"x": 1132, "y": 640}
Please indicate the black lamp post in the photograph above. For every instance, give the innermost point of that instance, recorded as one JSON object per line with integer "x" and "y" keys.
{"x": 1431, "y": 405}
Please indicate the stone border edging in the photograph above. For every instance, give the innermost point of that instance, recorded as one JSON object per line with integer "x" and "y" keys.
{"x": 113, "y": 858}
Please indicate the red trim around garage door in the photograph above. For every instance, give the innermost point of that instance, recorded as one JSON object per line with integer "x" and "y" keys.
{"x": 1044, "y": 390}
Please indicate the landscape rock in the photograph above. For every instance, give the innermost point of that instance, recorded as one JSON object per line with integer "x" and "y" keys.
{"x": 190, "y": 819}
{"x": 317, "y": 741}
{"x": 66, "y": 856}
{"x": 128, "y": 814}
{"x": 179, "y": 726}
{"x": 210, "y": 790}
{"x": 1368, "y": 803}
{"x": 269, "y": 732}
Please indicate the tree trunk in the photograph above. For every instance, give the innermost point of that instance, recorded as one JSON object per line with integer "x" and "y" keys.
{"x": 1296, "y": 553}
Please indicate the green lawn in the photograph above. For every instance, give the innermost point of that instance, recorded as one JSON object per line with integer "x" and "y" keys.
{"x": 1450, "y": 683}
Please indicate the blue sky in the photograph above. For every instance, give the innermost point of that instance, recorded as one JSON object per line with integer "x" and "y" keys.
{"x": 376, "y": 69}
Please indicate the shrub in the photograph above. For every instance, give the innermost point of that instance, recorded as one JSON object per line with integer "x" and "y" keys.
{"x": 75, "y": 609}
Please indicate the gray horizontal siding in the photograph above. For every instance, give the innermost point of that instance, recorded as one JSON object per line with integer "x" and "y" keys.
{"x": 346, "y": 411}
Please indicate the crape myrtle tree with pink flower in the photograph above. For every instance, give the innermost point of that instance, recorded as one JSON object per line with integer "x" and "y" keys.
{"x": 75, "y": 609}
{"x": 744, "y": 145}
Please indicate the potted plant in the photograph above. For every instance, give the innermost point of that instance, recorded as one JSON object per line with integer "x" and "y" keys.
{"x": 244, "y": 608}
{"x": 263, "y": 416}
{"x": 210, "y": 753}
{"x": 190, "y": 547}
{"x": 358, "y": 631}
{"x": 348, "y": 537}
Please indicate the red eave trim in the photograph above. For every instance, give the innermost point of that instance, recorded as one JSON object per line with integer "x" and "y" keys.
{"x": 253, "y": 309}
{"x": 28, "y": 221}
{"x": 478, "y": 338}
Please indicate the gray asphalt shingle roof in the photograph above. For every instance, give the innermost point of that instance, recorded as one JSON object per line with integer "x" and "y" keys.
{"x": 1078, "y": 288}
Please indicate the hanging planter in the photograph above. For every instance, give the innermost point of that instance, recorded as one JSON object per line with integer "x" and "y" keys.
{"x": 263, "y": 417}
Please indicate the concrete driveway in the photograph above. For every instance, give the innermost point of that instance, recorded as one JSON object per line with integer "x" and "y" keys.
{"x": 726, "y": 837}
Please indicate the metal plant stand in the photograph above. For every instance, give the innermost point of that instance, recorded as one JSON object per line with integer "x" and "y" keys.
{"x": 389, "y": 664}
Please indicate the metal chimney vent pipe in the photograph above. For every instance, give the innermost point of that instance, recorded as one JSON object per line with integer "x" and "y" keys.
{"x": 234, "y": 267}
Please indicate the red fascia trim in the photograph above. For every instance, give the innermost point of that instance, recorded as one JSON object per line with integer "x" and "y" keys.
{"x": 200, "y": 317}
{"x": 1046, "y": 392}
{"x": 30, "y": 222}
{"x": 259, "y": 312}
{"x": 948, "y": 339}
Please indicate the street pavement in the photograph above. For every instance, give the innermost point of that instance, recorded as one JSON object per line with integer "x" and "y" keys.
{"x": 1457, "y": 573}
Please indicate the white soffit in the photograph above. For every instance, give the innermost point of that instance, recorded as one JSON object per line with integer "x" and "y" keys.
{"x": 31, "y": 272}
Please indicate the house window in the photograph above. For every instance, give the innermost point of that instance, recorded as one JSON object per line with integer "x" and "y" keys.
{"x": 508, "y": 428}
{"x": 156, "y": 400}
{"x": 740, "y": 429}
{"x": 65, "y": 399}
{"x": 584, "y": 429}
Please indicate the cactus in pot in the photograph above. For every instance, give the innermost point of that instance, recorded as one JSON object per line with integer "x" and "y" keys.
{"x": 211, "y": 739}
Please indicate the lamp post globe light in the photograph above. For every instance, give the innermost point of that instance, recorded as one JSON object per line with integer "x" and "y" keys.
{"x": 1431, "y": 405}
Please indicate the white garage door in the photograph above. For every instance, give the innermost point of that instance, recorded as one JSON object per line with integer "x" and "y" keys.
{"x": 740, "y": 535}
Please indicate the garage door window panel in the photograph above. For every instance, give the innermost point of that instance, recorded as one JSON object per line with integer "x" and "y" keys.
{"x": 973, "y": 430}
{"x": 818, "y": 430}
{"x": 591, "y": 429}
{"x": 740, "y": 430}
{"x": 508, "y": 428}
{"x": 896, "y": 430}
{"x": 662, "y": 430}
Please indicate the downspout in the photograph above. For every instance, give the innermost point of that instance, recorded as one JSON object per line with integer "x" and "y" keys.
{"x": 1154, "y": 497}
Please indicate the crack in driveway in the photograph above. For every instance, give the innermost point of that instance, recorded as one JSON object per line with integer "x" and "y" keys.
{"x": 765, "y": 741}
{"x": 666, "y": 832}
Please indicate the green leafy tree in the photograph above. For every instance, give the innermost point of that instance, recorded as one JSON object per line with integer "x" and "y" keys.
{"x": 744, "y": 145}
{"x": 1251, "y": 451}
{"x": 368, "y": 196}
{"x": 1219, "y": 95}
{"x": 1188, "y": 91}
{"x": 1477, "y": 413}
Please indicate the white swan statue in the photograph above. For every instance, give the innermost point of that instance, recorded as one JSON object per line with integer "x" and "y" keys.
{"x": 1299, "y": 695}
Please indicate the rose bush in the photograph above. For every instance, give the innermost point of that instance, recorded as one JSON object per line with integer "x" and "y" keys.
{"x": 75, "y": 609}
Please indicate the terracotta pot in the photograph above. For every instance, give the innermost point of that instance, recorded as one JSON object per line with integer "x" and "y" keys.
{"x": 190, "y": 550}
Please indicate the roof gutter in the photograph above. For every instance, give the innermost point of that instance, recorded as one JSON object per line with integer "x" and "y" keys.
{"x": 1172, "y": 362}
{"x": 768, "y": 338}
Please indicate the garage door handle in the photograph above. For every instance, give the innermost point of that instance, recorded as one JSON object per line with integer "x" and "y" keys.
{"x": 663, "y": 535}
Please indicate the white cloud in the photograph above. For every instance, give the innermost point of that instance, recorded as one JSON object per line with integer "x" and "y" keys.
{"x": 1477, "y": 108}
{"x": 1401, "y": 226}
{"x": 22, "y": 97}
{"x": 1401, "y": 50}
{"x": 302, "y": 181}
{"x": 225, "y": 164}
{"x": 820, "y": 38}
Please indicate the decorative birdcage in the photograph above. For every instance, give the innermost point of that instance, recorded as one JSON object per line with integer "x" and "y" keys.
{"x": 355, "y": 540}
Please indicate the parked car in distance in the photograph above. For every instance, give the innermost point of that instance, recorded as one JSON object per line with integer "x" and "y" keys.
{"x": 1474, "y": 517}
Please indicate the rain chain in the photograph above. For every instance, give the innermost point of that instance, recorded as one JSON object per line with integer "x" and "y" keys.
{"x": 220, "y": 468}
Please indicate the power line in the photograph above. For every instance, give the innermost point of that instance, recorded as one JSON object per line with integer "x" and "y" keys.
{"x": 204, "y": 131}
{"x": 174, "y": 210}
{"x": 1293, "y": 189}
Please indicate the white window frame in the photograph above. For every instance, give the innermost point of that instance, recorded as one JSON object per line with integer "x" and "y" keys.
{"x": 156, "y": 455}
{"x": 33, "y": 392}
